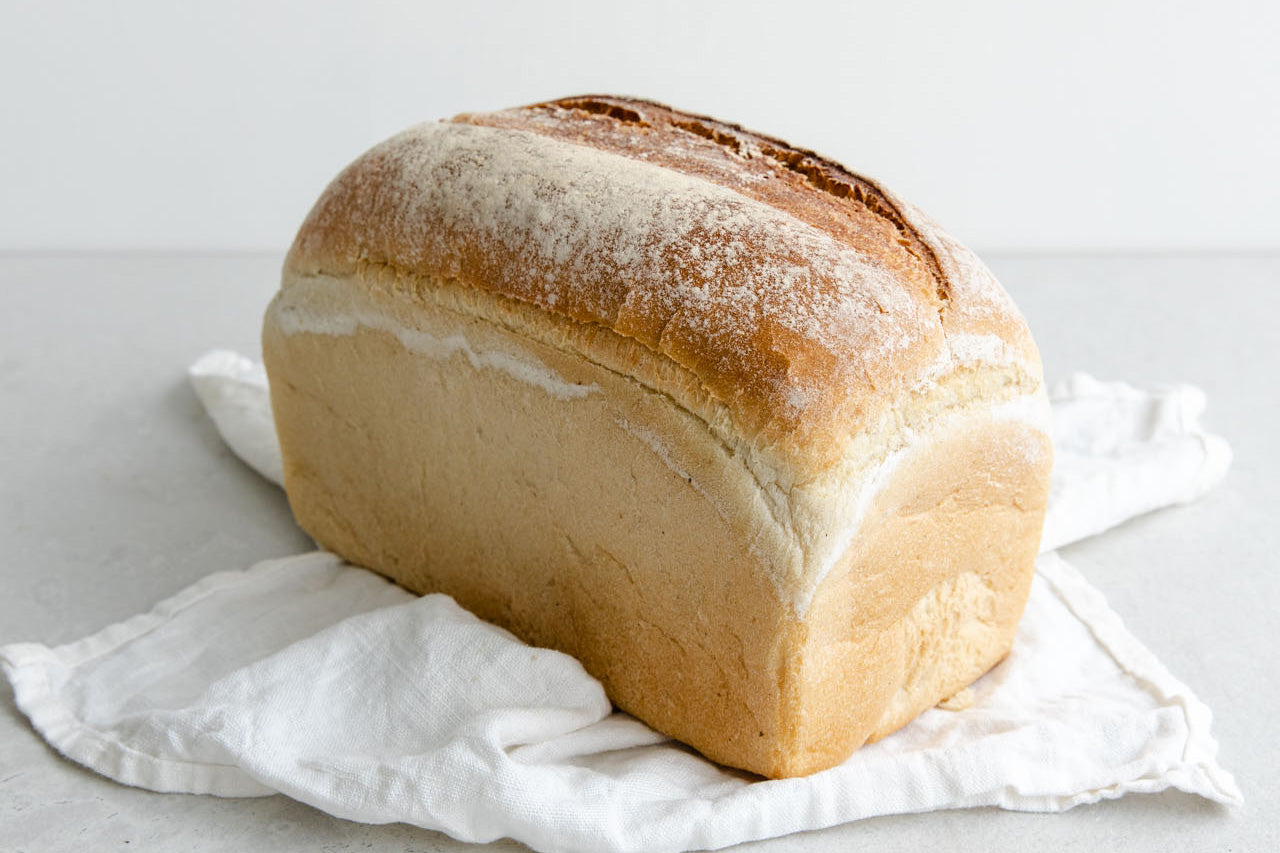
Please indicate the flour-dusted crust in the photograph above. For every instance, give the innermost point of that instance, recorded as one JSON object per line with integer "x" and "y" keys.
{"x": 802, "y": 298}
{"x": 749, "y": 435}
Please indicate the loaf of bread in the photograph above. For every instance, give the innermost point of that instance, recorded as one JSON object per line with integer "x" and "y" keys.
{"x": 744, "y": 432}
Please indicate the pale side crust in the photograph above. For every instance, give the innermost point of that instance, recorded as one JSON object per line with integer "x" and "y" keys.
{"x": 543, "y": 515}
{"x": 929, "y": 598}
{"x": 615, "y": 526}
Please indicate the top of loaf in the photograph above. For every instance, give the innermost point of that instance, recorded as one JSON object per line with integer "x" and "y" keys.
{"x": 801, "y": 297}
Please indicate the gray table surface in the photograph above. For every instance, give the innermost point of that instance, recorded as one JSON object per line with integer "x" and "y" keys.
{"x": 115, "y": 492}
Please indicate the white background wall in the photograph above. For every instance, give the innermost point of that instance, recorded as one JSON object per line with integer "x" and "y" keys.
{"x": 1020, "y": 125}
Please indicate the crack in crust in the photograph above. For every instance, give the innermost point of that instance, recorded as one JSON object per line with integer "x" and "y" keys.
{"x": 820, "y": 172}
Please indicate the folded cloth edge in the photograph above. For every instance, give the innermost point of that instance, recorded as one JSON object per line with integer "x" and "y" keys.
{"x": 25, "y": 666}
{"x": 234, "y": 392}
{"x": 1200, "y": 770}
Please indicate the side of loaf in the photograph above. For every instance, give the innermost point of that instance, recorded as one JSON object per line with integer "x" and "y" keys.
{"x": 749, "y": 436}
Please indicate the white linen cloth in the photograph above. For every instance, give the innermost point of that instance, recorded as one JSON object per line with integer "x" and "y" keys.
{"x": 325, "y": 682}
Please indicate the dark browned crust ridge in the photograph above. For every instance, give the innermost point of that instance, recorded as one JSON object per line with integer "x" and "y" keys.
{"x": 818, "y": 171}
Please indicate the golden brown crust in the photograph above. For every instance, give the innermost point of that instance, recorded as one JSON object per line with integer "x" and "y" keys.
{"x": 746, "y": 433}
{"x": 805, "y": 300}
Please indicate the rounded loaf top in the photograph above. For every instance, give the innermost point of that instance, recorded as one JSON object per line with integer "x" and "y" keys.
{"x": 802, "y": 298}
